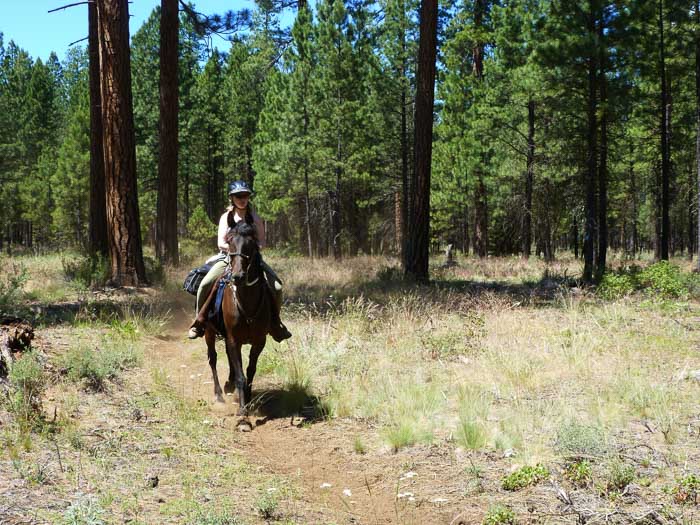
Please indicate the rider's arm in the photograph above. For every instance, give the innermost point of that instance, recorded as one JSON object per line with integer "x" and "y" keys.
{"x": 223, "y": 228}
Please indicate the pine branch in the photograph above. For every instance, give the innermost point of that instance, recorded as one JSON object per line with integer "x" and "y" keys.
{"x": 72, "y": 5}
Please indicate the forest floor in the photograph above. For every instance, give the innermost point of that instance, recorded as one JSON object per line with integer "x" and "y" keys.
{"x": 501, "y": 393}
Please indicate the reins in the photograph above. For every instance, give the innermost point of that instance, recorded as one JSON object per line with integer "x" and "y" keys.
{"x": 248, "y": 319}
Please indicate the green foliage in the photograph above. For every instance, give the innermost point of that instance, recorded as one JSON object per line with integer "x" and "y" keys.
{"x": 618, "y": 476}
{"x": 499, "y": 515}
{"x": 687, "y": 490}
{"x": 267, "y": 505}
{"x": 13, "y": 277}
{"x": 94, "y": 367}
{"x": 616, "y": 285}
{"x": 27, "y": 381}
{"x": 85, "y": 511}
{"x": 579, "y": 472}
{"x": 87, "y": 271}
{"x": 664, "y": 279}
{"x": 575, "y": 439}
{"x": 524, "y": 477}
{"x": 200, "y": 229}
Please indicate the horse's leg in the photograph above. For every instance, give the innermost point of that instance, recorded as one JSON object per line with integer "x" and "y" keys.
{"x": 210, "y": 338}
{"x": 235, "y": 361}
{"x": 255, "y": 352}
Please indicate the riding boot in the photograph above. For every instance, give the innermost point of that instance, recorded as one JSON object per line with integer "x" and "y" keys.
{"x": 197, "y": 326}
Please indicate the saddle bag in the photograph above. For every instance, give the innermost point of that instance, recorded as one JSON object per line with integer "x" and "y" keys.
{"x": 195, "y": 278}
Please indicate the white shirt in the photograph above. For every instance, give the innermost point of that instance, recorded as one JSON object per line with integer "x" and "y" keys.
{"x": 223, "y": 229}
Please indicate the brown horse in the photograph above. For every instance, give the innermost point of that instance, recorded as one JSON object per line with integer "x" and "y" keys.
{"x": 246, "y": 308}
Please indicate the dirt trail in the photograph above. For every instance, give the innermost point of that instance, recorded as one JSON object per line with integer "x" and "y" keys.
{"x": 334, "y": 483}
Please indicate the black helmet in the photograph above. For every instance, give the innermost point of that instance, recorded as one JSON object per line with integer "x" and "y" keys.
{"x": 239, "y": 186}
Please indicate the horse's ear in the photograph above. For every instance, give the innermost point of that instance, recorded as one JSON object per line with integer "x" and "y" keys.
{"x": 230, "y": 219}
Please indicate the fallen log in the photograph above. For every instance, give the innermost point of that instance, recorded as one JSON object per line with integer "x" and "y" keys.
{"x": 16, "y": 336}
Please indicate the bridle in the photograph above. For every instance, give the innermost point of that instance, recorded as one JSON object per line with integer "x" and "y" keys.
{"x": 261, "y": 302}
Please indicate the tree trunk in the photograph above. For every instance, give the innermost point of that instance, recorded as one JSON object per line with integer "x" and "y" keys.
{"x": 404, "y": 151}
{"x": 98, "y": 244}
{"x": 481, "y": 203}
{"x": 335, "y": 202}
{"x": 591, "y": 160}
{"x": 529, "y": 177}
{"x": 123, "y": 221}
{"x": 635, "y": 210}
{"x": 697, "y": 118}
{"x": 416, "y": 260}
{"x": 166, "y": 214}
{"x": 603, "y": 164}
{"x": 665, "y": 157}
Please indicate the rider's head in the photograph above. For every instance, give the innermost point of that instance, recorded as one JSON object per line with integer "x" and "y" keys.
{"x": 239, "y": 192}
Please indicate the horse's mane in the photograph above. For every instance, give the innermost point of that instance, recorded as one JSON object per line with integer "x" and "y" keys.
{"x": 242, "y": 228}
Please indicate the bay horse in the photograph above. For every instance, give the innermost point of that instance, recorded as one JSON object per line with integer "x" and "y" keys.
{"x": 246, "y": 311}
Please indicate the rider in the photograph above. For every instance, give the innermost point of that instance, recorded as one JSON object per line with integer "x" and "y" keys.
{"x": 239, "y": 193}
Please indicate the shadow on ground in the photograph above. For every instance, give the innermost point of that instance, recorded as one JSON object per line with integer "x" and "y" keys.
{"x": 278, "y": 403}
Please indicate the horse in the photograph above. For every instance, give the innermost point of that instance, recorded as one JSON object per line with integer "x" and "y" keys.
{"x": 246, "y": 311}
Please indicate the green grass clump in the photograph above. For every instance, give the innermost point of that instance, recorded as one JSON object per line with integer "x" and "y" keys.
{"x": 224, "y": 517}
{"x": 13, "y": 277}
{"x": 96, "y": 366}
{"x": 499, "y": 515}
{"x": 267, "y": 506}
{"x": 474, "y": 406}
{"x": 575, "y": 440}
{"x": 27, "y": 381}
{"x": 616, "y": 285}
{"x": 524, "y": 477}
{"x": 687, "y": 490}
{"x": 86, "y": 271}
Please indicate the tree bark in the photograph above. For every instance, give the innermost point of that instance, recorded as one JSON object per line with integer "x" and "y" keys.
{"x": 665, "y": 157}
{"x": 697, "y": 119}
{"x": 98, "y": 244}
{"x": 592, "y": 156}
{"x": 603, "y": 164}
{"x": 123, "y": 223}
{"x": 529, "y": 178}
{"x": 166, "y": 211}
{"x": 481, "y": 235}
{"x": 416, "y": 260}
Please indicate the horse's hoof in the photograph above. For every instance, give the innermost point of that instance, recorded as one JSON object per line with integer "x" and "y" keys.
{"x": 244, "y": 425}
{"x": 229, "y": 387}
{"x": 219, "y": 399}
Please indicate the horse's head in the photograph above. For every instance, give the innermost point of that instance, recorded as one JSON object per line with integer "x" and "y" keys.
{"x": 244, "y": 252}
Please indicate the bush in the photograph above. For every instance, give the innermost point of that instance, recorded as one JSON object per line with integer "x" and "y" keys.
{"x": 87, "y": 271}
{"x": 687, "y": 490}
{"x": 524, "y": 477}
{"x": 13, "y": 277}
{"x": 619, "y": 475}
{"x": 200, "y": 229}
{"x": 616, "y": 285}
{"x": 95, "y": 367}
{"x": 499, "y": 515}
{"x": 579, "y": 473}
{"x": 576, "y": 440}
{"x": 664, "y": 279}
{"x": 27, "y": 382}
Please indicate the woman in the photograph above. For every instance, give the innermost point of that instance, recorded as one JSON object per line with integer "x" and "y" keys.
{"x": 239, "y": 193}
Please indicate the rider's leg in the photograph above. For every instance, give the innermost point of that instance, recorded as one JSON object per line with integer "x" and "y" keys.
{"x": 278, "y": 331}
{"x": 203, "y": 293}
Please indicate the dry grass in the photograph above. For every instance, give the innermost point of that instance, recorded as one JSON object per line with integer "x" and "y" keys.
{"x": 500, "y": 358}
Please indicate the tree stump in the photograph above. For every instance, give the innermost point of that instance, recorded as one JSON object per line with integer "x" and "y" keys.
{"x": 449, "y": 257}
{"x": 15, "y": 336}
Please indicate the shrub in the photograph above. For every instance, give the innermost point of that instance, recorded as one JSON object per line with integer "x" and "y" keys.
{"x": 616, "y": 285}
{"x": 524, "y": 477}
{"x": 200, "y": 229}
{"x": 619, "y": 475}
{"x": 687, "y": 490}
{"x": 665, "y": 279}
{"x": 579, "y": 473}
{"x": 13, "y": 277}
{"x": 95, "y": 367}
{"x": 87, "y": 271}
{"x": 576, "y": 440}
{"x": 499, "y": 515}
{"x": 27, "y": 382}
{"x": 86, "y": 511}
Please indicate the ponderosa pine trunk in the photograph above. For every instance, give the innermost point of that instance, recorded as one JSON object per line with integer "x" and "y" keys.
{"x": 166, "y": 214}
{"x": 603, "y": 160}
{"x": 529, "y": 178}
{"x": 417, "y": 248}
{"x": 98, "y": 208}
{"x": 665, "y": 157}
{"x": 697, "y": 118}
{"x": 481, "y": 234}
{"x": 123, "y": 227}
{"x": 591, "y": 157}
